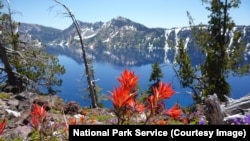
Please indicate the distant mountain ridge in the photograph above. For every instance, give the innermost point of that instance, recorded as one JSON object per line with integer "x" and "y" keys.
{"x": 114, "y": 38}
{"x": 118, "y": 32}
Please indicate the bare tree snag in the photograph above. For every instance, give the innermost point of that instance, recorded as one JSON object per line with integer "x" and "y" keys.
{"x": 87, "y": 63}
{"x": 213, "y": 113}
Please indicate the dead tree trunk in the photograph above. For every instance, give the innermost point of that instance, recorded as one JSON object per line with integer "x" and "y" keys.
{"x": 87, "y": 63}
{"x": 213, "y": 113}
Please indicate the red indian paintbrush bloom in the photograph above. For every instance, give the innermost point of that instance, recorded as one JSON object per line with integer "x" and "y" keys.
{"x": 128, "y": 80}
{"x": 38, "y": 113}
{"x": 72, "y": 121}
{"x": 2, "y": 125}
{"x": 138, "y": 107}
{"x": 175, "y": 112}
{"x": 154, "y": 104}
{"x": 121, "y": 97}
{"x": 162, "y": 91}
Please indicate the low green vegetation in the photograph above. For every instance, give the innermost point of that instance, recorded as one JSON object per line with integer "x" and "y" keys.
{"x": 4, "y": 95}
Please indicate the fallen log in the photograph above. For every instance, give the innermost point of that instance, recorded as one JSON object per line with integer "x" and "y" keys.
{"x": 236, "y": 106}
{"x": 237, "y": 111}
{"x": 234, "y": 110}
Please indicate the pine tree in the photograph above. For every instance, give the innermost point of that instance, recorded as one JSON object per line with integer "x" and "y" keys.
{"x": 25, "y": 64}
{"x": 221, "y": 56}
{"x": 156, "y": 73}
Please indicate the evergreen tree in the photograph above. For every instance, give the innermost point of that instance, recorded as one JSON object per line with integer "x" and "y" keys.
{"x": 222, "y": 56}
{"x": 25, "y": 64}
{"x": 185, "y": 72}
{"x": 155, "y": 76}
{"x": 156, "y": 73}
{"x": 12, "y": 78}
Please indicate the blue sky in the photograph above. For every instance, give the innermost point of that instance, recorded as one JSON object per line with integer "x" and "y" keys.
{"x": 151, "y": 13}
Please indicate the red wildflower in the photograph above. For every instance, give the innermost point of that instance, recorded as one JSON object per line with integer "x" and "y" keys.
{"x": 121, "y": 97}
{"x": 154, "y": 104}
{"x": 82, "y": 120}
{"x": 38, "y": 110}
{"x": 128, "y": 80}
{"x": 161, "y": 122}
{"x": 2, "y": 125}
{"x": 72, "y": 121}
{"x": 175, "y": 112}
{"x": 38, "y": 113}
{"x": 139, "y": 107}
{"x": 163, "y": 91}
{"x": 35, "y": 120}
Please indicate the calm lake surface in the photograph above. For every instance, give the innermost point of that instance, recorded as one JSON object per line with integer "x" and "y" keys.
{"x": 74, "y": 82}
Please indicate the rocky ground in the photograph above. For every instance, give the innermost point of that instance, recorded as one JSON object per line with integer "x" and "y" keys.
{"x": 16, "y": 108}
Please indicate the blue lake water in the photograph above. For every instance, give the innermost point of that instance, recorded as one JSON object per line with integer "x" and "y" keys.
{"x": 74, "y": 82}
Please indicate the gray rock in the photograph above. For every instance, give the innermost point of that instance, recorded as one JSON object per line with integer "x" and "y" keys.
{"x": 22, "y": 131}
{"x": 72, "y": 108}
{"x": 2, "y": 104}
{"x": 14, "y": 102}
{"x": 24, "y": 105}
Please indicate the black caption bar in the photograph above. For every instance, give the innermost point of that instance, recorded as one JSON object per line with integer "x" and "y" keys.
{"x": 234, "y": 132}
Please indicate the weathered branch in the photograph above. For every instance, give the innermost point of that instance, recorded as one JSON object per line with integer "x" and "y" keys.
{"x": 9, "y": 50}
{"x": 236, "y": 106}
